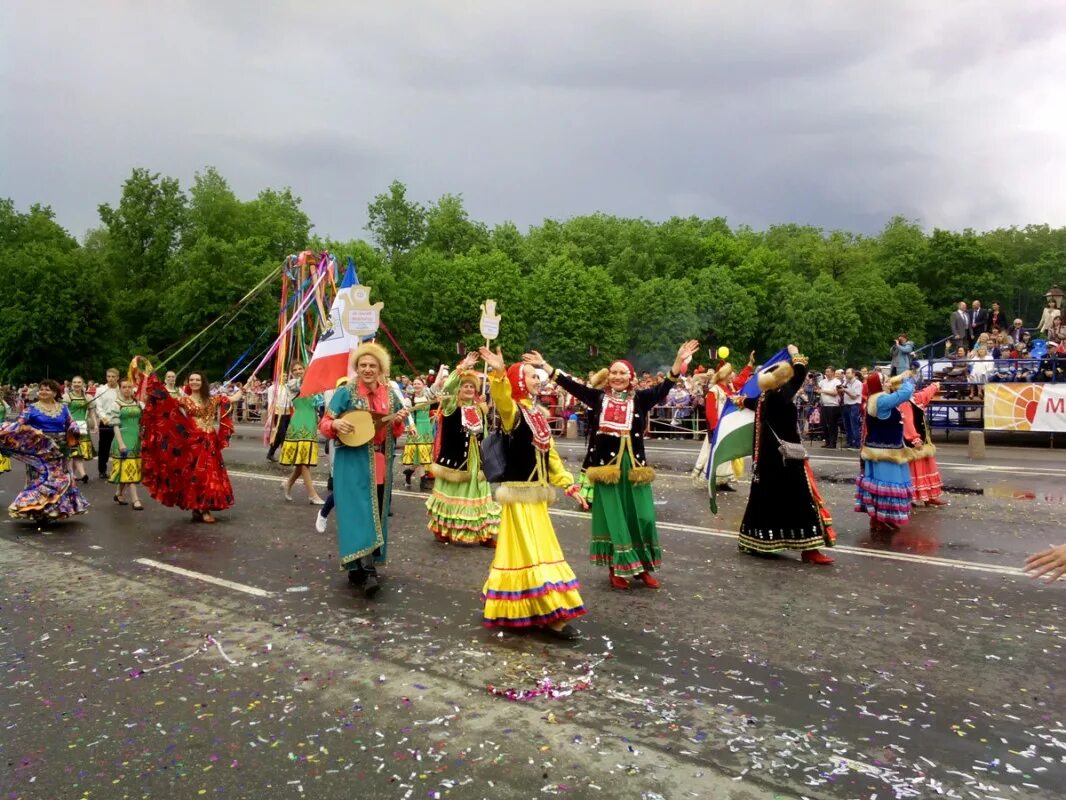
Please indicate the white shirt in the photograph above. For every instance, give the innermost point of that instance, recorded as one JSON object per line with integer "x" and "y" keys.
{"x": 854, "y": 386}
{"x": 827, "y": 385}
{"x": 279, "y": 396}
{"x": 106, "y": 404}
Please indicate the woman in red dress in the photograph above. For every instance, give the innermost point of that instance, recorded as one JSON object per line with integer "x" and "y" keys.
{"x": 182, "y": 448}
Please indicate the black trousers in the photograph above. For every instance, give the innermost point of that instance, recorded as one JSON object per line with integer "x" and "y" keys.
{"x": 279, "y": 436}
{"x": 831, "y": 423}
{"x": 107, "y": 436}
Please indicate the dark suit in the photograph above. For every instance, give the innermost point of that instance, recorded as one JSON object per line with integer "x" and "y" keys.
{"x": 978, "y": 323}
{"x": 960, "y": 328}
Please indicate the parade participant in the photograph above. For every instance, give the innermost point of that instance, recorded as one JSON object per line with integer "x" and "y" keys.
{"x": 725, "y": 383}
{"x": 280, "y": 400}
{"x": 181, "y": 448}
{"x": 925, "y": 475}
{"x": 461, "y": 509}
{"x": 5, "y": 409}
{"x": 300, "y": 448}
{"x": 529, "y": 583}
{"x": 884, "y": 489}
{"x": 170, "y": 381}
{"x": 84, "y": 414}
{"x": 105, "y": 405}
{"x": 785, "y": 509}
{"x": 322, "y": 517}
{"x": 418, "y": 448}
{"x": 597, "y": 380}
{"x": 126, "y": 449}
{"x": 42, "y": 437}
{"x": 625, "y": 538}
{"x": 361, "y": 473}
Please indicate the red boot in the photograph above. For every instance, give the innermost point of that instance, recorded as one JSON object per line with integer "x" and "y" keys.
{"x": 617, "y": 582}
{"x": 816, "y": 557}
{"x": 936, "y": 501}
{"x": 649, "y": 580}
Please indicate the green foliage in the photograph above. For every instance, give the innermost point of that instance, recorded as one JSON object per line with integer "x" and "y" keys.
{"x": 166, "y": 263}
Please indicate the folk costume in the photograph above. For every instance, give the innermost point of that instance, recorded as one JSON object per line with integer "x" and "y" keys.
{"x": 127, "y": 468}
{"x": 181, "y": 450}
{"x": 884, "y": 489}
{"x": 625, "y": 538}
{"x": 925, "y": 475}
{"x": 461, "y": 509}
{"x": 43, "y": 439}
{"x": 300, "y": 445}
{"x": 418, "y": 448}
{"x": 785, "y": 509}
{"x": 80, "y": 411}
{"x": 586, "y": 489}
{"x": 361, "y": 474}
{"x": 529, "y": 583}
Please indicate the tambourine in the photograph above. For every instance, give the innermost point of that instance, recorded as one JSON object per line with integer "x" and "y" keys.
{"x": 364, "y": 426}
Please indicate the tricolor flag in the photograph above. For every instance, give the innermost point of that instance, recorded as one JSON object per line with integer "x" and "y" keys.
{"x": 735, "y": 435}
{"x": 330, "y": 360}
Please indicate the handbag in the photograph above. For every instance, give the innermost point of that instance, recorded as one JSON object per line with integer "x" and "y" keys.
{"x": 790, "y": 451}
{"x": 494, "y": 455}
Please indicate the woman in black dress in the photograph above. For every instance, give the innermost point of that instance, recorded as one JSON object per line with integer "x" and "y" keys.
{"x": 785, "y": 510}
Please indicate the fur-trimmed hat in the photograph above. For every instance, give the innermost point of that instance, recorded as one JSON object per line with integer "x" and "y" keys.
{"x": 470, "y": 376}
{"x": 723, "y": 373}
{"x": 371, "y": 349}
{"x": 776, "y": 376}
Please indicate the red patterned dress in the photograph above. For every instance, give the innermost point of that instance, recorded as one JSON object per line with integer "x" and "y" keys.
{"x": 181, "y": 450}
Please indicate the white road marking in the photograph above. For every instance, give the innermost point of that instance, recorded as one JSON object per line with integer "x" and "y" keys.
{"x": 971, "y": 566}
{"x": 200, "y": 576}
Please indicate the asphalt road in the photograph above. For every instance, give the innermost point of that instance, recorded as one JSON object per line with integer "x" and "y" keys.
{"x": 922, "y": 666}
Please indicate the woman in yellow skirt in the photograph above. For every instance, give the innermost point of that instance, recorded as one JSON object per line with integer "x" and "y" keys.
{"x": 126, "y": 447}
{"x": 529, "y": 584}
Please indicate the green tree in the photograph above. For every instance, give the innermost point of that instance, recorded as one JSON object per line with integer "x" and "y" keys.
{"x": 449, "y": 229}
{"x": 396, "y": 224}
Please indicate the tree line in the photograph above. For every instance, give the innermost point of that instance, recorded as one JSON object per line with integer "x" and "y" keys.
{"x": 164, "y": 262}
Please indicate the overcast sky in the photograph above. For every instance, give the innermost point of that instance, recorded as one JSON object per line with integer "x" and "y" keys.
{"x": 837, "y": 114}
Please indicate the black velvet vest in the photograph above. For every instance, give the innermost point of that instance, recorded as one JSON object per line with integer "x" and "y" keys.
{"x": 455, "y": 441}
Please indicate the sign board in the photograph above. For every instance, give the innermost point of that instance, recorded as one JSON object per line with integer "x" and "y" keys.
{"x": 1025, "y": 407}
{"x": 358, "y": 317}
{"x": 490, "y": 320}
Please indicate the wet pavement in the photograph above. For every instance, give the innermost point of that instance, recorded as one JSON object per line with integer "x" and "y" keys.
{"x": 918, "y": 666}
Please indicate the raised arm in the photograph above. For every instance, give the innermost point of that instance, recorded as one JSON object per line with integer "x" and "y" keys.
{"x": 500, "y": 388}
{"x": 886, "y": 402}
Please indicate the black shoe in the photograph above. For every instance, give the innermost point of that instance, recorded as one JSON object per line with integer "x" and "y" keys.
{"x": 357, "y": 577}
{"x": 372, "y": 586}
{"x": 84, "y": 478}
{"x": 725, "y": 487}
{"x": 272, "y": 458}
{"x": 407, "y": 473}
{"x": 568, "y": 633}
{"x": 425, "y": 484}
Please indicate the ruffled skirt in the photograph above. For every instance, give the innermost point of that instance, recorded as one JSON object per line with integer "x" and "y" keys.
{"x": 925, "y": 477}
{"x": 530, "y": 583}
{"x": 50, "y": 492}
{"x": 463, "y": 512}
{"x": 884, "y": 491}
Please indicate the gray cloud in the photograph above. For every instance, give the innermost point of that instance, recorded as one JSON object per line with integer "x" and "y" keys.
{"x": 837, "y": 114}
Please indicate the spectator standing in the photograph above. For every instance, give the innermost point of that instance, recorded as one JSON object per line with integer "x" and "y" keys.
{"x": 978, "y": 320}
{"x": 829, "y": 392}
{"x": 997, "y": 318}
{"x": 852, "y": 403}
{"x": 960, "y": 326}
{"x": 901, "y": 354}
{"x": 1056, "y": 334}
{"x": 1051, "y": 312}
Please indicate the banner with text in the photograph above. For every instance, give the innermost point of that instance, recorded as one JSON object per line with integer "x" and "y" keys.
{"x": 1025, "y": 407}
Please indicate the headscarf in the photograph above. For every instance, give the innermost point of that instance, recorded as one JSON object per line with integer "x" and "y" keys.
{"x": 518, "y": 385}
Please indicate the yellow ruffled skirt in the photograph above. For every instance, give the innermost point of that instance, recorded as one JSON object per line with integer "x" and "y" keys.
{"x": 529, "y": 584}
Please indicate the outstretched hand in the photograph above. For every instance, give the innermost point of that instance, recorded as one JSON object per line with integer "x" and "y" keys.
{"x": 533, "y": 357}
{"x": 1050, "y": 562}
{"x": 793, "y": 350}
{"x": 751, "y": 359}
{"x": 468, "y": 360}
{"x": 494, "y": 361}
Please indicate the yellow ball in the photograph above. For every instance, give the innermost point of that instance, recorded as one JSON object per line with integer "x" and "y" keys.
{"x": 723, "y": 352}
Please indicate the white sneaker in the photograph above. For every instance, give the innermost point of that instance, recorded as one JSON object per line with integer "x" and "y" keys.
{"x": 287, "y": 491}
{"x": 316, "y": 501}
{"x": 320, "y": 522}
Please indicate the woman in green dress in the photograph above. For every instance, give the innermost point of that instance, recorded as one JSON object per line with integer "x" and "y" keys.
{"x": 418, "y": 447}
{"x": 126, "y": 448}
{"x": 300, "y": 449}
{"x": 461, "y": 509}
{"x": 625, "y": 538}
{"x": 77, "y": 402}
